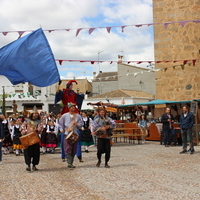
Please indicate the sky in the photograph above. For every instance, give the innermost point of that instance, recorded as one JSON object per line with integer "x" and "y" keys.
{"x": 134, "y": 43}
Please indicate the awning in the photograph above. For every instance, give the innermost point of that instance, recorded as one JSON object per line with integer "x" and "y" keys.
{"x": 157, "y": 102}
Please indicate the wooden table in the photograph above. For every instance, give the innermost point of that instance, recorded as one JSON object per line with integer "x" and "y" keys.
{"x": 135, "y": 134}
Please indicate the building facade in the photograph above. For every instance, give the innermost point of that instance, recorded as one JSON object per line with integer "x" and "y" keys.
{"x": 128, "y": 77}
{"x": 177, "y": 81}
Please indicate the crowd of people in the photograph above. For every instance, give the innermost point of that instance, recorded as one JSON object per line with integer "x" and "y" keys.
{"x": 72, "y": 129}
{"x": 52, "y": 131}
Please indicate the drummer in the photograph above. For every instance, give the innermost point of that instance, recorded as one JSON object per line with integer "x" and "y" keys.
{"x": 32, "y": 153}
{"x": 70, "y": 122}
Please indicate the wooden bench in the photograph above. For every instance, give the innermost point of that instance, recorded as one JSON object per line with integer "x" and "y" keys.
{"x": 135, "y": 134}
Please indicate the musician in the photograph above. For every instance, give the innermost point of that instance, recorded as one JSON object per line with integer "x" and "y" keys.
{"x": 70, "y": 121}
{"x": 68, "y": 95}
{"x": 102, "y": 126}
{"x": 32, "y": 153}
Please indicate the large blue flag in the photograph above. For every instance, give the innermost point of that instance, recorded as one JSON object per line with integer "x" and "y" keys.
{"x": 29, "y": 59}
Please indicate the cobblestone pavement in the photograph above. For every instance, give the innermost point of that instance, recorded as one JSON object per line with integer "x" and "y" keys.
{"x": 147, "y": 171}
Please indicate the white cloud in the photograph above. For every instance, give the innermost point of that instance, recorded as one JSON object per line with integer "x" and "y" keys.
{"x": 136, "y": 43}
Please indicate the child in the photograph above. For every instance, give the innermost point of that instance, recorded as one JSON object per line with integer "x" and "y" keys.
{"x": 143, "y": 126}
{"x": 16, "y": 134}
{"x": 51, "y": 137}
{"x": 43, "y": 136}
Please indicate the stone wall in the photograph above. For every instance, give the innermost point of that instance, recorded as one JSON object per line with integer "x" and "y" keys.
{"x": 177, "y": 43}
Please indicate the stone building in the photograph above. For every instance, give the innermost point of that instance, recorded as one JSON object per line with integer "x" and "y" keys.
{"x": 104, "y": 82}
{"x": 178, "y": 82}
{"x": 128, "y": 77}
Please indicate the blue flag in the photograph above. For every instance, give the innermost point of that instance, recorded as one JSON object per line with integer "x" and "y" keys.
{"x": 29, "y": 59}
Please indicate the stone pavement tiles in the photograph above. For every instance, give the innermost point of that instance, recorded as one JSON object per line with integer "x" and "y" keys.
{"x": 147, "y": 171}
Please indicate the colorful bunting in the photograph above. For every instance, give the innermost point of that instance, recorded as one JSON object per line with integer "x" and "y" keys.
{"x": 128, "y": 62}
{"x": 91, "y": 29}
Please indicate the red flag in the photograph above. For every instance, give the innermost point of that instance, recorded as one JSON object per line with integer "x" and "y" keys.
{"x": 91, "y": 30}
{"x": 138, "y": 25}
{"x": 193, "y": 62}
{"x": 123, "y": 28}
{"x": 108, "y": 29}
{"x": 5, "y": 33}
{"x": 185, "y": 62}
{"x": 78, "y": 31}
{"x": 20, "y": 33}
{"x": 60, "y": 62}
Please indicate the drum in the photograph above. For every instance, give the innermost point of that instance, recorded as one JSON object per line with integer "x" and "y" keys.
{"x": 72, "y": 137}
{"x": 29, "y": 139}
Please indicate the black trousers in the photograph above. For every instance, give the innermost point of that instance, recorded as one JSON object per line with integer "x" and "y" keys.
{"x": 103, "y": 146}
{"x": 32, "y": 154}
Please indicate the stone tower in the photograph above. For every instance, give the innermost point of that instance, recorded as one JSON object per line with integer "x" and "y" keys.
{"x": 177, "y": 43}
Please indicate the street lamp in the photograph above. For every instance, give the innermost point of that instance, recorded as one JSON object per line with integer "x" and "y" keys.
{"x": 98, "y": 60}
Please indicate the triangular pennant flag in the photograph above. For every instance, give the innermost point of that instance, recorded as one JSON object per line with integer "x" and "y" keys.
{"x": 123, "y": 28}
{"x": 193, "y": 62}
{"x": 166, "y": 24}
{"x": 20, "y": 33}
{"x": 183, "y": 23}
{"x": 185, "y": 62}
{"x": 196, "y": 21}
{"x": 92, "y": 62}
{"x": 91, "y": 30}
{"x": 67, "y": 29}
{"x": 50, "y": 31}
{"x": 60, "y": 62}
{"x": 138, "y": 25}
{"x": 78, "y": 31}
{"x": 139, "y": 62}
{"x": 108, "y": 29}
{"x": 111, "y": 62}
{"x": 5, "y": 33}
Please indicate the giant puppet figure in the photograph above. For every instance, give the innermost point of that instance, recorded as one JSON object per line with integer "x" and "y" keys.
{"x": 68, "y": 96}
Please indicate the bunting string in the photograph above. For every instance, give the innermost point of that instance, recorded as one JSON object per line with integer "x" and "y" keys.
{"x": 145, "y": 71}
{"x": 108, "y": 28}
{"x": 193, "y": 61}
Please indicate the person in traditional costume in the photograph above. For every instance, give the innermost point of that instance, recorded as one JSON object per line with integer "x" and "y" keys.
{"x": 7, "y": 143}
{"x": 102, "y": 127}
{"x": 86, "y": 137}
{"x": 68, "y": 122}
{"x": 32, "y": 152}
{"x": 1, "y": 136}
{"x": 51, "y": 141}
{"x": 16, "y": 134}
{"x": 43, "y": 136}
{"x": 68, "y": 95}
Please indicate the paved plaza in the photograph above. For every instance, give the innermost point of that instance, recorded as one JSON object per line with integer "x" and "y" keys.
{"x": 147, "y": 171}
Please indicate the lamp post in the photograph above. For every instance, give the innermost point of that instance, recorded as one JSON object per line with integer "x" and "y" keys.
{"x": 100, "y": 89}
{"x": 98, "y": 60}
